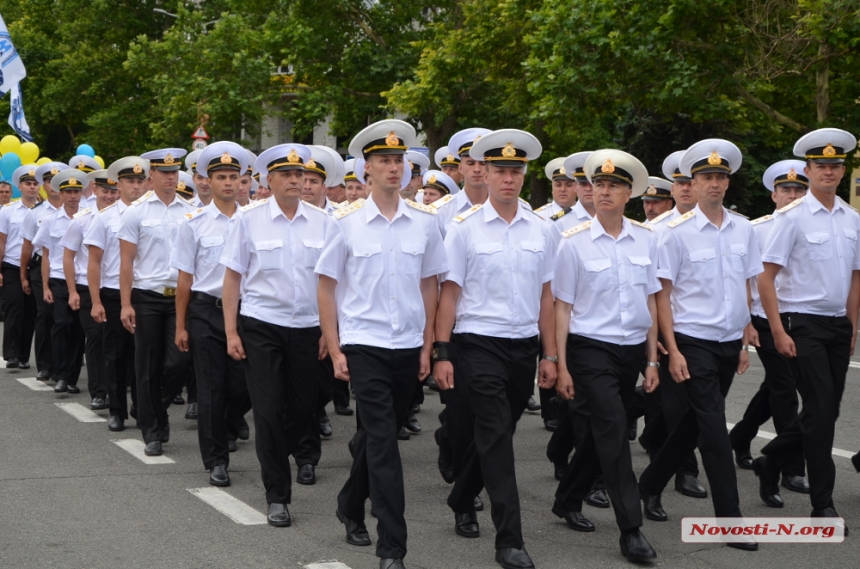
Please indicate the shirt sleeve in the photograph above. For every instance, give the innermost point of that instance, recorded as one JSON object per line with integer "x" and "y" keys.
{"x": 856, "y": 266}
{"x": 753, "y": 265}
{"x": 184, "y": 252}
{"x": 4, "y": 220}
{"x": 565, "y": 275}
{"x": 28, "y": 226}
{"x": 457, "y": 251}
{"x": 435, "y": 259}
{"x": 42, "y": 238}
{"x": 95, "y": 233}
{"x": 74, "y": 235}
{"x": 333, "y": 257}
{"x": 550, "y": 249}
{"x": 236, "y": 255}
{"x": 129, "y": 227}
{"x": 653, "y": 286}
{"x": 670, "y": 255}
{"x": 780, "y": 241}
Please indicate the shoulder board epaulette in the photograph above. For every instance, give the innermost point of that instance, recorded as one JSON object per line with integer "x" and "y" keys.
{"x": 253, "y": 204}
{"x": 640, "y": 224}
{"x": 543, "y": 207}
{"x": 576, "y": 229}
{"x": 559, "y": 214}
{"x": 142, "y": 198}
{"x": 468, "y": 212}
{"x": 661, "y": 217}
{"x": 10, "y": 203}
{"x": 442, "y": 201}
{"x": 351, "y": 208}
{"x": 194, "y": 213}
{"x": 82, "y": 213}
{"x": 676, "y": 222}
{"x": 422, "y": 207}
{"x": 733, "y": 212}
{"x": 848, "y": 205}
{"x": 525, "y": 202}
{"x": 344, "y": 203}
{"x": 312, "y": 206}
{"x": 762, "y": 219}
{"x": 795, "y": 203}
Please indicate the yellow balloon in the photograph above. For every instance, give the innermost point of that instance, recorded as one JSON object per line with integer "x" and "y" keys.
{"x": 10, "y": 143}
{"x": 28, "y": 153}
{"x": 100, "y": 160}
{"x": 42, "y": 160}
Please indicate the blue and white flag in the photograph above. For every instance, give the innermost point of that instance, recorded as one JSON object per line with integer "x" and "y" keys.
{"x": 17, "y": 120}
{"x": 11, "y": 72}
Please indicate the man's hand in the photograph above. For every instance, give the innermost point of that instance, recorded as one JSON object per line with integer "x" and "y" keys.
{"x": 235, "y": 349}
{"x": 424, "y": 362}
{"x": 678, "y": 368}
{"x": 743, "y": 362}
{"x": 652, "y": 379}
{"x": 48, "y": 295}
{"x": 322, "y": 349}
{"x": 752, "y": 336}
{"x": 853, "y": 338}
{"x": 25, "y": 284}
{"x": 784, "y": 344}
{"x": 547, "y": 374}
{"x": 341, "y": 370}
{"x": 126, "y": 316}
{"x": 564, "y": 385}
{"x": 443, "y": 373}
{"x": 98, "y": 313}
{"x": 181, "y": 340}
{"x": 661, "y": 349}
{"x": 74, "y": 300}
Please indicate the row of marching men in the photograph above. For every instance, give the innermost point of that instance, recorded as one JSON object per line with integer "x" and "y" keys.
{"x": 277, "y": 297}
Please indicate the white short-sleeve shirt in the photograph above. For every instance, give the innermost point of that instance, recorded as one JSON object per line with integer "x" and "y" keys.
{"x": 576, "y": 216}
{"x": 74, "y": 241}
{"x": 34, "y": 220}
{"x": 709, "y": 267}
{"x": 501, "y": 269}
{"x": 102, "y": 233}
{"x": 199, "y": 246}
{"x": 450, "y": 207}
{"x": 608, "y": 281}
{"x": 548, "y": 210}
{"x": 378, "y": 265}
{"x": 762, "y": 227}
{"x": 11, "y": 224}
{"x": 51, "y": 231}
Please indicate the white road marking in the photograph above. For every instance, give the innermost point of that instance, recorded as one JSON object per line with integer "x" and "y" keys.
{"x": 80, "y": 413}
{"x": 230, "y": 506}
{"x": 771, "y": 436}
{"x": 34, "y": 384}
{"x": 327, "y": 565}
{"x": 135, "y": 448}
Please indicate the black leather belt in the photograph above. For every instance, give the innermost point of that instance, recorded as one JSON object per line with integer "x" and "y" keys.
{"x": 207, "y": 298}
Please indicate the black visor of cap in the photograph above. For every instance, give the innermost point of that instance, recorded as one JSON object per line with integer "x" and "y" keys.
{"x": 704, "y": 166}
{"x": 617, "y": 173}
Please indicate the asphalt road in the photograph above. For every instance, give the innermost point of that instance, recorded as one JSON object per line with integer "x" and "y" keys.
{"x": 70, "y": 497}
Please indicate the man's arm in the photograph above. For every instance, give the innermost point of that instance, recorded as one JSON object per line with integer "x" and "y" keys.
{"x": 2, "y": 252}
{"x": 677, "y": 362}
{"x": 26, "y": 253}
{"x": 127, "y": 253}
{"x": 770, "y": 304}
{"x": 547, "y": 371}
{"x": 652, "y": 377}
{"x": 564, "y": 383}
{"x": 183, "y": 298}
{"x": 69, "y": 273}
{"x": 230, "y": 303}
{"x": 853, "y": 305}
{"x": 430, "y": 294}
{"x": 328, "y": 322}
{"x": 94, "y": 278}
{"x": 446, "y": 312}
{"x": 46, "y": 275}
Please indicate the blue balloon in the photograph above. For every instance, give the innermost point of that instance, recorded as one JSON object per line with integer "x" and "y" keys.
{"x": 16, "y": 193}
{"x": 87, "y": 150}
{"x": 8, "y": 164}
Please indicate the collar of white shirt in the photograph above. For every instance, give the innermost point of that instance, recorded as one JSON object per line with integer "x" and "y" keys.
{"x": 275, "y": 210}
{"x": 490, "y": 213}
{"x": 702, "y": 219}
{"x": 580, "y": 211}
{"x": 371, "y": 210}
{"x": 212, "y": 211}
{"x": 176, "y": 199}
{"x": 597, "y": 230}
{"x": 814, "y": 205}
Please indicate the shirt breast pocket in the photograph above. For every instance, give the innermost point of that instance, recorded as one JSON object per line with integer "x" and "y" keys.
{"x": 738, "y": 257}
{"x": 151, "y": 228}
{"x": 270, "y": 254}
{"x": 411, "y": 254}
{"x": 113, "y": 228}
{"x": 818, "y": 245}
{"x": 599, "y": 273}
{"x": 368, "y": 259}
{"x": 313, "y": 248}
{"x": 489, "y": 257}
{"x": 704, "y": 263}
{"x": 211, "y": 248}
{"x": 639, "y": 270}
{"x": 531, "y": 256}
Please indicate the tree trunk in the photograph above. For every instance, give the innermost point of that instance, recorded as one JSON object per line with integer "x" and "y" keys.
{"x": 822, "y": 85}
{"x": 537, "y": 185}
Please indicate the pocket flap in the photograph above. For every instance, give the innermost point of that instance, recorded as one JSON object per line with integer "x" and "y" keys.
{"x": 412, "y": 247}
{"x": 533, "y": 246}
{"x": 269, "y": 245}
{"x": 739, "y": 249}
{"x": 366, "y": 249}
{"x": 212, "y": 241}
{"x": 488, "y": 248}
{"x": 150, "y": 222}
{"x": 850, "y": 234}
{"x": 313, "y": 243}
{"x": 818, "y": 237}
{"x": 641, "y": 261}
{"x": 597, "y": 265}
{"x": 701, "y": 255}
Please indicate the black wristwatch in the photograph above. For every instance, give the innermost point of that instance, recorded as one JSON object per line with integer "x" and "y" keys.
{"x": 440, "y": 352}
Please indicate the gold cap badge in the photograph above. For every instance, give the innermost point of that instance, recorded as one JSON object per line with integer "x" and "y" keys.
{"x": 168, "y": 159}
{"x": 137, "y": 169}
{"x": 111, "y": 182}
{"x": 81, "y": 165}
{"x": 225, "y": 158}
{"x": 714, "y": 159}
{"x": 54, "y": 171}
{"x": 508, "y": 151}
{"x": 792, "y": 175}
{"x": 449, "y": 158}
{"x": 180, "y": 186}
{"x": 829, "y": 150}
{"x": 32, "y": 173}
{"x": 311, "y": 163}
{"x": 561, "y": 171}
{"x": 608, "y": 167}
{"x": 293, "y": 156}
{"x": 432, "y": 179}
{"x": 73, "y": 182}
{"x": 392, "y": 139}
{"x": 651, "y": 190}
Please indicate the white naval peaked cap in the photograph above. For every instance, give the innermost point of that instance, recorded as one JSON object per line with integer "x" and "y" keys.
{"x": 349, "y": 170}
{"x": 444, "y": 157}
{"x": 252, "y": 159}
{"x": 390, "y": 136}
{"x": 441, "y": 181}
{"x": 327, "y": 163}
{"x": 574, "y": 165}
{"x": 191, "y": 161}
{"x": 289, "y": 156}
{"x": 825, "y": 145}
{"x": 129, "y": 167}
{"x": 670, "y": 167}
{"x": 101, "y": 178}
{"x": 23, "y": 173}
{"x": 461, "y": 142}
{"x": 84, "y": 163}
{"x": 418, "y": 163}
{"x": 185, "y": 185}
{"x": 555, "y": 169}
{"x": 711, "y": 155}
{"x": 69, "y": 179}
{"x": 49, "y": 169}
{"x": 785, "y": 172}
{"x": 165, "y": 159}
{"x": 658, "y": 189}
{"x": 507, "y": 147}
{"x": 222, "y": 155}
{"x": 618, "y": 165}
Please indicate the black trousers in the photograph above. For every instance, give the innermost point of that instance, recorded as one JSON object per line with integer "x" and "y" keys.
{"x": 281, "y": 369}
{"x": 118, "y": 345}
{"x": 340, "y": 393}
{"x": 606, "y": 376}
{"x": 823, "y": 346}
{"x": 220, "y": 379}
{"x": 384, "y": 383}
{"x": 44, "y": 319}
{"x": 459, "y": 421}
{"x": 20, "y": 321}
{"x": 777, "y": 398}
{"x": 497, "y": 376}
{"x": 67, "y": 335}
{"x": 94, "y": 346}
{"x": 712, "y": 366}
{"x": 309, "y": 448}
{"x": 159, "y": 366}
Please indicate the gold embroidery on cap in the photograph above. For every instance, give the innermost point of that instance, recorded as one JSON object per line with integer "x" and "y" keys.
{"x": 608, "y": 167}
{"x": 432, "y": 179}
{"x": 168, "y": 159}
{"x": 73, "y": 182}
{"x": 137, "y": 169}
{"x": 651, "y": 190}
{"x": 180, "y": 186}
{"x": 714, "y": 159}
{"x": 111, "y": 182}
{"x": 293, "y": 156}
{"x": 792, "y": 175}
{"x": 449, "y": 158}
{"x": 54, "y": 171}
{"x": 829, "y": 150}
{"x": 311, "y": 163}
{"x": 508, "y": 151}
{"x": 225, "y": 158}
{"x": 392, "y": 139}
{"x": 33, "y": 173}
{"x": 561, "y": 171}
{"x": 81, "y": 165}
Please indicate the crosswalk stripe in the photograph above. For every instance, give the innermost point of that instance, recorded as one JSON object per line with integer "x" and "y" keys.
{"x": 771, "y": 436}
{"x": 327, "y": 565}
{"x": 135, "y": 448}
{"x": 80, "y": 413}
{"x": 34, "y": 384}
{"x": 230, "y": 506}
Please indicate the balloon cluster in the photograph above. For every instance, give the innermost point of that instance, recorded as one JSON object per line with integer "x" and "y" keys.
{"x": 13, "y": 153}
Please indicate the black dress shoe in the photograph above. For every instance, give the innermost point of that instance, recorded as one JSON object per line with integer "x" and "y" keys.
{"x": 478, "y": 504}
{"x": 97, "y": 404}
{"x": 12, "y": 363}
{"x": 559, "y": 469}
{"x": 689, "y": 485}
{"x": 743, "y": 459}
{"x": 133, "y": 412}
{"x": 390, "y": 563}
{"x": 61, "y": 387}
{"x": 597, "y": 499}
{"x": 550, "y": 424}
{"x": 744, "y": 545}
{"x": 306, "y": 475}
{"x": 244, "y": 430}
{"x": 116, "y": 423}
{"x": 191, "y": 412}
{"x": 24, "y": 365}
{"x": 74, "y": 389}
{"x": 232, "y": 445}
{"x": 153, "y": 449}
{"x": 445, "y": 460}
{"x": 351, "y": 447}
{"x": 575, "y": 520}
{"x": 631, "y": 433}
{"x": 652, "y": 506}
{"x": 178, "y": 400}
{"x": 165, "y": 433}
{"x": 797, "y": 484}
{"x": 768, "y": 487}
{"x": 511, "y": 558}
{"x": 827, "y": 513}
{"x": 416, "y": 408}
{"x": 466, "y": 525}
{"x": 635, "y": 547}
{"x": 356, "y": 532}
{"x": 325, "y": 424}
{"x": 412, "y": 425}
{"x": 533, "y": 405}
{"x": 855, "y": 460}
{"x": 218, "y": 475}
{"x": 402, "y": 434}
{"x": 430, "y": 383}
{"x": 279, "y": 516}
{"x": 43, "y": 375}
{"x": 344, "y": 410}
